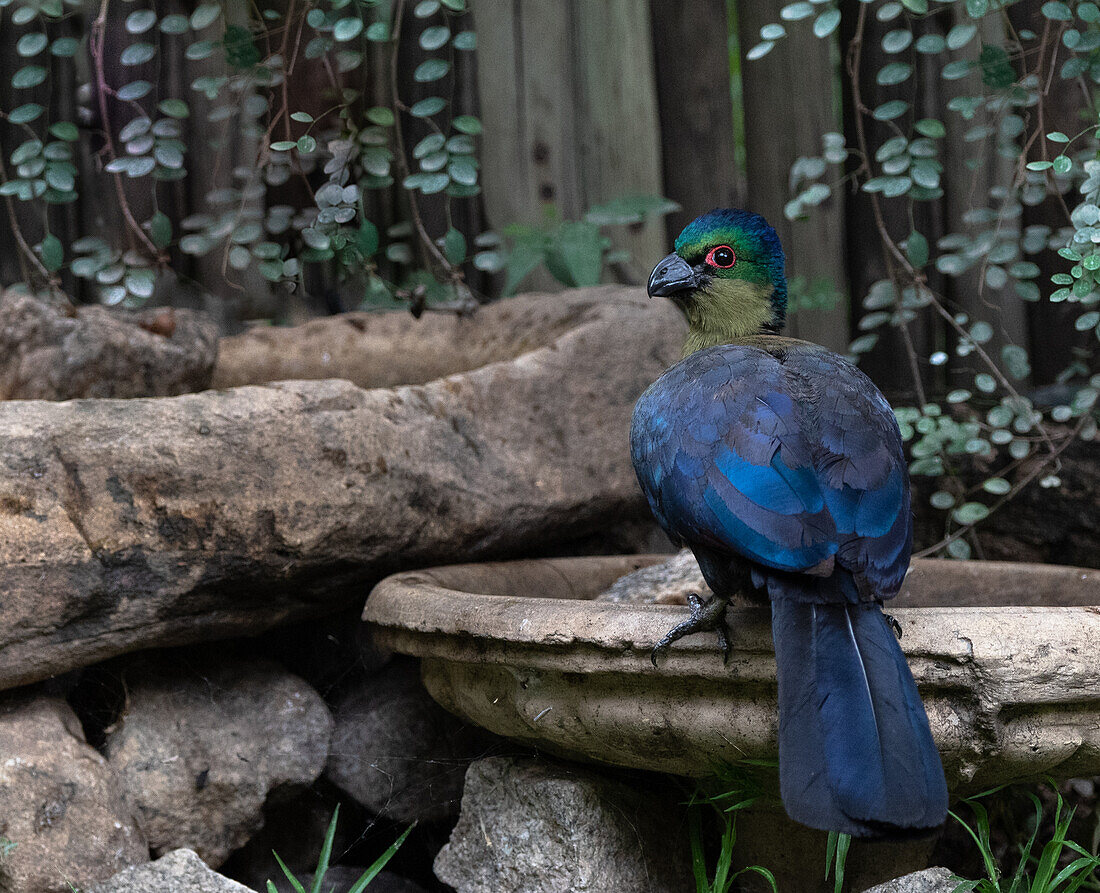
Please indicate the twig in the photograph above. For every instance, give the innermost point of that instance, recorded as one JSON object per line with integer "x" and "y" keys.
{"x": 99, "y": 30}
{"x": 453, "y": 273}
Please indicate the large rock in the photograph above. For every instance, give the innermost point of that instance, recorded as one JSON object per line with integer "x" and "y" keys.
{"x": 180, "y": 871}
{"x": 397, "y": 752}
{"x": 931, "y": 880}
{"x": 59, "y": 802}
{"x": 529, "y": 826}
{"x": 54, "y": 352}
{"x": 204, "y": 740}
{"x": 127, "y": 524}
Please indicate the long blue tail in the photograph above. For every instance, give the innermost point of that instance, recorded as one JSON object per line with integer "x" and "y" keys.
{"x": 855, "y": 751}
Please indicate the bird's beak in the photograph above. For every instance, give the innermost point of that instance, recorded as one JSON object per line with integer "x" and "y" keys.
{"x": 671, "y": 276}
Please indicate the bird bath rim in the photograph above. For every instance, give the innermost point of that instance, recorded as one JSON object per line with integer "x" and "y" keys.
{"x": 1012, "y": 689}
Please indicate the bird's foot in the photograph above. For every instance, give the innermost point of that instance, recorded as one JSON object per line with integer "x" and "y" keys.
{"x": 705, "y": 615}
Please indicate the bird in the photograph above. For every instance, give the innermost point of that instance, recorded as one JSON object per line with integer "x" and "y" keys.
{"x": 781, "y": 466}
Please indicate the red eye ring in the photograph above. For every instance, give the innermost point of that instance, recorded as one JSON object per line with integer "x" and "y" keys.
{"x": 721, "y": 256}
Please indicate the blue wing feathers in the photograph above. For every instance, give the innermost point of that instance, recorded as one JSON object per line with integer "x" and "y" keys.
{"x": 785, "y": 460}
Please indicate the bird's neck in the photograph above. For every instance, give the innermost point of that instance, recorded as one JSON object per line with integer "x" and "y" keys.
{"x": 727, "y": 311}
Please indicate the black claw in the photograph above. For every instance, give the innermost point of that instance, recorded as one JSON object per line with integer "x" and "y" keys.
{"x": 894, "y": 625}
{"x": 709, "y": 614}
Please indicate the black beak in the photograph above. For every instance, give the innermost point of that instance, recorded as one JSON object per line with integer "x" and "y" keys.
{"x": 671, "y": 275}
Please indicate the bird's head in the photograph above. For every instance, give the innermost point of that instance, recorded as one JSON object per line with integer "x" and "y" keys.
{"x": 727, "y": 276}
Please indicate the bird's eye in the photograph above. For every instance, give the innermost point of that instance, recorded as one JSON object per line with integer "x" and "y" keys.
{"x": 722, "y": 257}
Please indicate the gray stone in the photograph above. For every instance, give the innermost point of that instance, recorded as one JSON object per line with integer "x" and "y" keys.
{"x": 397, "y": 752}
{"x": 180, "y": 871}
{"x": 59, "y": 802}
{"x": 668, "y": 583}
{"x": 52, "y": 351}
{"x": 137, "y": 523}
{"x": 529, "y": 826}
{"x": 931, "y": 880}
{"x": 205, "y": 739}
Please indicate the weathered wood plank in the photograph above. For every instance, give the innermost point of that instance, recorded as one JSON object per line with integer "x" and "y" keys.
{"x": 570, "y": 110}
{"x": 691, "y": 60}
{"x": 789, "y": 103}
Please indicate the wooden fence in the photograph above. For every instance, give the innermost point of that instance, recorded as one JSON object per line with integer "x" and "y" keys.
{"x": 587, "y": 100}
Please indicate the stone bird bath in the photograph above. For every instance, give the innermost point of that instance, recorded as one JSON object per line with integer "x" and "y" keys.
{"x": 1006, "y": 656}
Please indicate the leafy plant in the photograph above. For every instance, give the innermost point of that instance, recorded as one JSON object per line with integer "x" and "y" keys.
{"x": 575, "y": 252}
{"x": 6, "y": 847}
{"x": 1059, "y": 866}
{"x": 742, "y": 787}
{"x": 338, "y": 150}
{"x": 323, "y": 862}
{"x": 999, "y": 83}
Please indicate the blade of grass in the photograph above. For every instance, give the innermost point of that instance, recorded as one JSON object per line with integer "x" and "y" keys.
{"x": 294, "y": 882}
{"x": 698, "y": 859}
{"x": 830, "y": 852}
{"x": 843, "y": 842}
{"x": 369, "y": 875}
{"x": 763, "y": 872}
{"x": 326, "y": 853}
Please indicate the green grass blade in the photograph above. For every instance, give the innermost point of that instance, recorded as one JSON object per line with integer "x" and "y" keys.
{"x": 964, "y": 885}
{"x": 294, "y": 882}
{"x": 698, "y": 858}
{"x": 763, "y": 872}
{"x": 830, "y": 852}
{"x": 1070, "y": 871}
{"x": 983, "y": 848}
{"x": 843, "y": 842}
{"x": 722, "y": 880}
{"x": 367, "y": 876}
{"x": 326, "y": 853}
{"x": 271, "y": 888}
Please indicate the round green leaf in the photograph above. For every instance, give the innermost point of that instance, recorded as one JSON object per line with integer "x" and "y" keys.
{"x": 26, "y": 113}
{"x": 431, "y": 70}
{"x": 942, "y": 500}
{"x": 64, "y": 47}
{"x": 174, "y": 108}
{"x": 463, "y": 170}
{"x": 306, "y": 144}
{"x": 890, "y": 110}
{"x": 893, "y": 73}
{"x": 347, "y": 29}
{"x": 28, "y": 76}
{"x": 65, "y": 130}
{"x": 302, "y": 117}
{"x": 174, "y": 24}
{"x": 134, "y": 90}
{"x": 970, "y": 513}
{"x": 959, "y": 549}
{"x": 137, "y": 54}
{"x": 205, "y": 15}
{"x": 1062, "y": 164}
{"x": 140, "y": 21}
{"x": 51, "y": 252}
{"x": 433, "y": 105}
{"x": 160, "y": 229}
{"x": 825, "y": 24}
{"x": 1058, "y": 11}
{"x": 454, "y": 246}
{"x": 996, "y": 486}
{"x": 426, "y": 8}
{"x": 381, "y": 116}
{"x": 467, "y": 124}
{"x": 435, "y": 37}
{"x": 465, "y": 40}
{"x": 897, "y": 40}
{"x": 930, "y": 127}
{"x": 31, "y": 44}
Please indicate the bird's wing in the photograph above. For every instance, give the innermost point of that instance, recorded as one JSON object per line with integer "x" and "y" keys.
{"x": 786, "y": 460}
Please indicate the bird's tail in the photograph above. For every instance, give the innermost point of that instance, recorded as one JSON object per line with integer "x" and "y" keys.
{"x": 855, "y": 751}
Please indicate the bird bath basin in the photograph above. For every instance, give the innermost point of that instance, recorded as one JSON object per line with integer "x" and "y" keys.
{"x": 1006, "y": 657}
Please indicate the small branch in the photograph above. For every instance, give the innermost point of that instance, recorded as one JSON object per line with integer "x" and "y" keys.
{"x": 96, "y": 43}
{"x": 453, "y": 273}
{"x": 1039, "y": 468}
